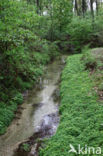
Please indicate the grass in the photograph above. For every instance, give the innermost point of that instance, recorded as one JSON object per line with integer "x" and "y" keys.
{"x": 81, "y": 115}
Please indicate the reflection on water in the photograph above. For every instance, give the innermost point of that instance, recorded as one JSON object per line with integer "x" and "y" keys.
{"x": 38, "y": 104}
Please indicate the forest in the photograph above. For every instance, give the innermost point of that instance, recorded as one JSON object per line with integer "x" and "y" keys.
{"x": 33, "y": 34}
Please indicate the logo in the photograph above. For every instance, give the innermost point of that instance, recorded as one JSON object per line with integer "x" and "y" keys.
{"x": 85, "y": 150}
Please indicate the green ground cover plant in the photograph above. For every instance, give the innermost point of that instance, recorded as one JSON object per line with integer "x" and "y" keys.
{"x": 80, "y": 112}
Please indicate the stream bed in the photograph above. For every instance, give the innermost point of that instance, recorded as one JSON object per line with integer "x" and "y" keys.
{"x": 38, "y": 116}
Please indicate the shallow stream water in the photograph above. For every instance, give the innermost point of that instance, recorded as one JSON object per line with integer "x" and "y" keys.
{"x": 35, "y": 112}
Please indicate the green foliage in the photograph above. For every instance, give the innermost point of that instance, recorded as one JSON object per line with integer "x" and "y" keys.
{"x": 18, "y": 98}
{"x": 80, "y": 115}
{"x": 83, "y": 31}
{"x": 88, "y": 60}
{"x": 32, "y": 34}
{"x": 6, "y": 115}
{"x": 62, "y": 13}
{"x": 7, "y": 110}
{"x": 26, "y": 147}
{"x": 80, "y": 30}
{"x": 23, "y": 54}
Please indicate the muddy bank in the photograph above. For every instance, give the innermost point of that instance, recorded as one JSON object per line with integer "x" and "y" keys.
{"x": 39, "y": 116}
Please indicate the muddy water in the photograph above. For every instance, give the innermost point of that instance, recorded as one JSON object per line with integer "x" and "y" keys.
{"x": 36, "y": 109}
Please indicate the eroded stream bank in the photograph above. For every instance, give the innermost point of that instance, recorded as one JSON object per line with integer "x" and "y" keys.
{"x": 39, "y": 112}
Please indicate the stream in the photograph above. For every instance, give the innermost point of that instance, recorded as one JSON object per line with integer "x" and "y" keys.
{"x": 38, "y": 114}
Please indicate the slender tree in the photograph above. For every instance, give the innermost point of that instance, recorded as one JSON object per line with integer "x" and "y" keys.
{"x": 97, "y": 6}
{"x": 91, "y": 6}
{"x": 92, "y": 12}
{"x": 84, "y": 7}
{"x": 76, "y": 7}
{"x": 37, "y": 3}
{"x": 79, "y": 7}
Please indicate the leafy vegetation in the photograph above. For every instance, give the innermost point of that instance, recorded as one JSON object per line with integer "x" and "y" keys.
{"x": 34, "y": 32}
{"x": 82, "y": 32}
{"x": 23, "y": 55}
{"x": 26, "y": 147}
{"x": 81, "y": 113}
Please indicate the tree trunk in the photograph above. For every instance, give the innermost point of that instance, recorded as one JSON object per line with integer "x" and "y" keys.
{"x": 97, "y": 6}
{"x": 92, "y": 11}
{"x": 84, "y": 7}
{"x": 76, "y": 7}
{"x": 37, "y": 3}
{"x": 91, "y": 6}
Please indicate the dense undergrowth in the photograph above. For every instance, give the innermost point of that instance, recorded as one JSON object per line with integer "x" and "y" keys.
{"x": 31, "y": 34}
{"x": 81, "y": 114}
{"x": 23, "y": 54}
{"x": 83, "y": 32}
